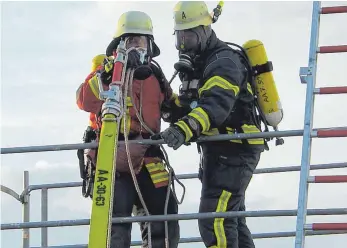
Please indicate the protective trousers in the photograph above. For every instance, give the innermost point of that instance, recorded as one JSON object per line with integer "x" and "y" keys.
{"x": 225, "y": 178}
{"x": 125, "y": 197}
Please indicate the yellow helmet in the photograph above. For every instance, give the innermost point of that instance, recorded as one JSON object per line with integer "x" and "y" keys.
{"x": 134, "y": 22}
{"x": 97, "y": 61}
{"x": 191, "y": 14}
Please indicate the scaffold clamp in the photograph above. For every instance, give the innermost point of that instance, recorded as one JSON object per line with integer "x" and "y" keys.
{"x": 304, "y": 72}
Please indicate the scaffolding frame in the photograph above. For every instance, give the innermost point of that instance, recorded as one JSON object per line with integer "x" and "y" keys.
{"x": 308, "y": 77}
{"x": 26, "y": 225}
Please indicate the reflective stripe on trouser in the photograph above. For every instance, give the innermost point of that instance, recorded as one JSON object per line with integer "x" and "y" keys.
{"x": 224, "y": 182}
{"x": 125, "y": 197}
{"x": 245, "y": 129}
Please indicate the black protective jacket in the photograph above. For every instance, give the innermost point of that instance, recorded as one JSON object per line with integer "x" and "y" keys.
{"x": 226, "y": 102}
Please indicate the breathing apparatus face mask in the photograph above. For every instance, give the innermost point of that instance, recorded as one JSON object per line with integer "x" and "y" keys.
{"x": 190, "y": 43}
{"x": 138, "y": 58}
{"x": 187, "y": 42}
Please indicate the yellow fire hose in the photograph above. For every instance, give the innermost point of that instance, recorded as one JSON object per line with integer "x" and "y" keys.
{"x": 102, "y": 205}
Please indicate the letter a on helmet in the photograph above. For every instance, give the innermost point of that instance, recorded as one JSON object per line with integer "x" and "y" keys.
{"x": 191, "y": 14}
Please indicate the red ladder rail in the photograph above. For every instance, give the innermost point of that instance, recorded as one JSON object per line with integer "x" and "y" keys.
{"x": 332, "y": 49}
{"x": 333, "y": 10}
{"x": 332, "y": 133}
{"x": 331, "y": 90}
{"x": 328, "y": 179}
{"x": 326, "y": 226}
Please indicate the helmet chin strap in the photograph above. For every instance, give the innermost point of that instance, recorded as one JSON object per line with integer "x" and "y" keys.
{"x": 149, "y": 47}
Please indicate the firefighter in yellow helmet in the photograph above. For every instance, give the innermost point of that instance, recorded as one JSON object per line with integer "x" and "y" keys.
{"x": 136, "y": 27}
{"x": 149, "y": 89}
{"x": 214, "y": 99}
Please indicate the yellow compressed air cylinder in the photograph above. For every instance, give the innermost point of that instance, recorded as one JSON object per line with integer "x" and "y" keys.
{"x": 266, "y": 91}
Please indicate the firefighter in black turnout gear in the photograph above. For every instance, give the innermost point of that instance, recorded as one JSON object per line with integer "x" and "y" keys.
{"x": 215, "y": 98}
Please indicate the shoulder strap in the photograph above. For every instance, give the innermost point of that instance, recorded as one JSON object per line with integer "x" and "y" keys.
{"x": 159, "y": 74}
{"x": 242, "y": 53}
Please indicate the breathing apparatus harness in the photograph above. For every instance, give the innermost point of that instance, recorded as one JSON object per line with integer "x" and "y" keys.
{"x": 188, "y": 92}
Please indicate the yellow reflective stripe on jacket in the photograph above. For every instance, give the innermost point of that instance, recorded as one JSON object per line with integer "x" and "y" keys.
{"x": 129, "y": 103}
{"x": 201, "y": 116}
{"x": 212, "y": 131}
{"x": 215, "y": 131}
{"x": 128, "y": 123}
{"x": 218, "y": 224}
{"x": 128, "y": 120}
{"x": 249, "y": 88}
{"x": 220, "y": 82}
{"x": 252, "y": 129}
{"x": 245, "y": 128}
{"x": 174, "y": 96}
{"x": 186, "y": 130}
{"x": 109, "y": 65}
{"x": 158, "y": 174}
{"x": 232, "y": 131}
{"x": 94, "y": 86}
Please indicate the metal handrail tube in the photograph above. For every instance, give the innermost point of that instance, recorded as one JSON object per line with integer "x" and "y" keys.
{"x": 195, "y": 175}
{"x": 169, "y": 217}
{"x": 198, "y": 239}
{"x": 221, "y": 137}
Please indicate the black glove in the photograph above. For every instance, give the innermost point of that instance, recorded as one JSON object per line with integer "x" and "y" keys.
{"x": 173, "y": 137}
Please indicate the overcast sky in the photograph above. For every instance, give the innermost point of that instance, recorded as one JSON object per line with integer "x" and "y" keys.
{"x": 46, "y": 52}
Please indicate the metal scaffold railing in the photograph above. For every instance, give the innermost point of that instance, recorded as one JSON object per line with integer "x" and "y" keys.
{"x": 308, "y": 76}
{"x": 24, "y": 198}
